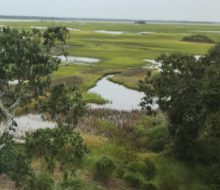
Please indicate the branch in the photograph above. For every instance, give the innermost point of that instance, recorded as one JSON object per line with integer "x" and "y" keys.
{"x": 17, "y": 102}
{"x": 7, "y": 117}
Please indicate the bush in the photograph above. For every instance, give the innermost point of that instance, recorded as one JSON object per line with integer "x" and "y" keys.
{"x": 150, "y": 170}
{"x": 168, "y": 183}
{"x": 43, "y": 181}
{"x": 157, "y": 138}
{"x": 72, "y": 184}
{"x": 104, "y": 168}
{"x": 61, "y": 143}
{"x": 152, "y": 133}
{"x": 149, "y": 186}
{"x": 147, "y": 169}
{"x": 133, "y": 179}
{"x": 198, "y": 38}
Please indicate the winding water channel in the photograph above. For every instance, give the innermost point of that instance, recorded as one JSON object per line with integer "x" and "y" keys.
{"x": 120, "y": 97}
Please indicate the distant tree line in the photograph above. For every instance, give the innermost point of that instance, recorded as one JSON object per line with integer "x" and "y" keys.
{"x": 140, "y": 22}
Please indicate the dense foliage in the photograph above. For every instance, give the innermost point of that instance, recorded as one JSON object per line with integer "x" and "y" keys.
{"x": 64, "y": 104}
{"x": 13, "y": 162}
{"x": 104, "y": 168}
{"x": 198, "y": 38}
{"x": 61, "y": 144}
{"x": 25, "y": 67}
{"x": 188, "y": 92}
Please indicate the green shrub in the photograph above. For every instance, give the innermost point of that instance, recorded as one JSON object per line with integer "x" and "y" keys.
{"x": 104, "y": 168}
{"x": 61, "y": 143}
{"x": 147, "y": 169}
{"x": 157, "y": 138}
{"x": 133, "y": 179}
{"x": 140, "y": 131}
{"x": 152, "y": 133}
{"x": 72, "y": 184}
{"x": 44, "y": 181}
{"x": 198, "y": 38}
{"x": 150, "y": 170}
{"x": 137, "y": 167}
{"x": 149, "y": 186}
{"x": 168, "y": 183}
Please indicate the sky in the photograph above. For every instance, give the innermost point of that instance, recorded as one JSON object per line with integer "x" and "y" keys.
{"x": 187, "y": 10}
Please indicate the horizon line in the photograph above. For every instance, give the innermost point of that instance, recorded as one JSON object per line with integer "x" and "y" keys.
{"x": 21, "y": 17}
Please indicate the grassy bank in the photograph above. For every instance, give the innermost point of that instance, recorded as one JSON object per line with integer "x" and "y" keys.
{"x": 125, "y": 52}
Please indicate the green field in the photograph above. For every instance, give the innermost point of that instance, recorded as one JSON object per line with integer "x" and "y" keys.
{"x": 124, "y": 53}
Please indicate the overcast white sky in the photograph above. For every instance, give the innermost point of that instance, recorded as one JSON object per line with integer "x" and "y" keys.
{"x": 196, "y": 10}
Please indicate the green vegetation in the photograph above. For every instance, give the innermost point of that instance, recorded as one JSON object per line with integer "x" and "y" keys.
{"x": 188, "y": 92}
{"x": 64, "y": 104}
{"x": 104, "y": 168}
{"x": 118, "y": 52}
{"x": 198, "y": 38}
{"x": 94, "y": 98}
{"x": 175, "y": 149}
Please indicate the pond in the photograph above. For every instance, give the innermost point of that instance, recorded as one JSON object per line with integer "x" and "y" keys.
{"x": 39, "y": 27}
{"x": 109, "y": 32}
{"x": 147, "y": 32}
{"x": 85, "y": 61}
{"x": 156, "y": 65}
{"x": 120, "y": 97}
{"x": 73, "y": 29}
{"x": 30, "y": 123}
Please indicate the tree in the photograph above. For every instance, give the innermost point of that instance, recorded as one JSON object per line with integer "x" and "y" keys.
{"x": 186, "y": 94}
{"x": 25, "y": 67}
{"x": 64, "y": 104}
{"x": 61, "y": 144}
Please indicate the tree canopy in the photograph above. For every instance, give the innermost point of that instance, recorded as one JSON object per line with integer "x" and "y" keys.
{"x": 25, "y": 66}
{"x": 188, "y": 92}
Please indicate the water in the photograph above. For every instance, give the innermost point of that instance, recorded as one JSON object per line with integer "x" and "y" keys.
{"x": 208, "y": 31}
{"x": 109, "y": 32}
{"x": 145, "y": 32}
{"x": 13, "y": 82}
{"x": 120, "y": 97}
{"x": 198, "y": 57}
{"x": 73, "y": 29}
{"x": 30, "y": 123}
{"x": 86, "y": 61}
{"x": 39, "y": 27}
{"x": 155, "y": 65}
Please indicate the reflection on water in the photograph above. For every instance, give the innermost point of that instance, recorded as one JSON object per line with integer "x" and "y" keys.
{"x": 39, "y": 27}
{"x": 109, "y": 32}
{"x": 73, "y": 29}
{"x": 121, "y": 98}
{"x": 147, "y": 32}
{"x": 30, "y": 123}
{"x": 86, "y": 61}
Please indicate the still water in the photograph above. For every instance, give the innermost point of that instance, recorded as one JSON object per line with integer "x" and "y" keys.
{"x": 120, "y": 97}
